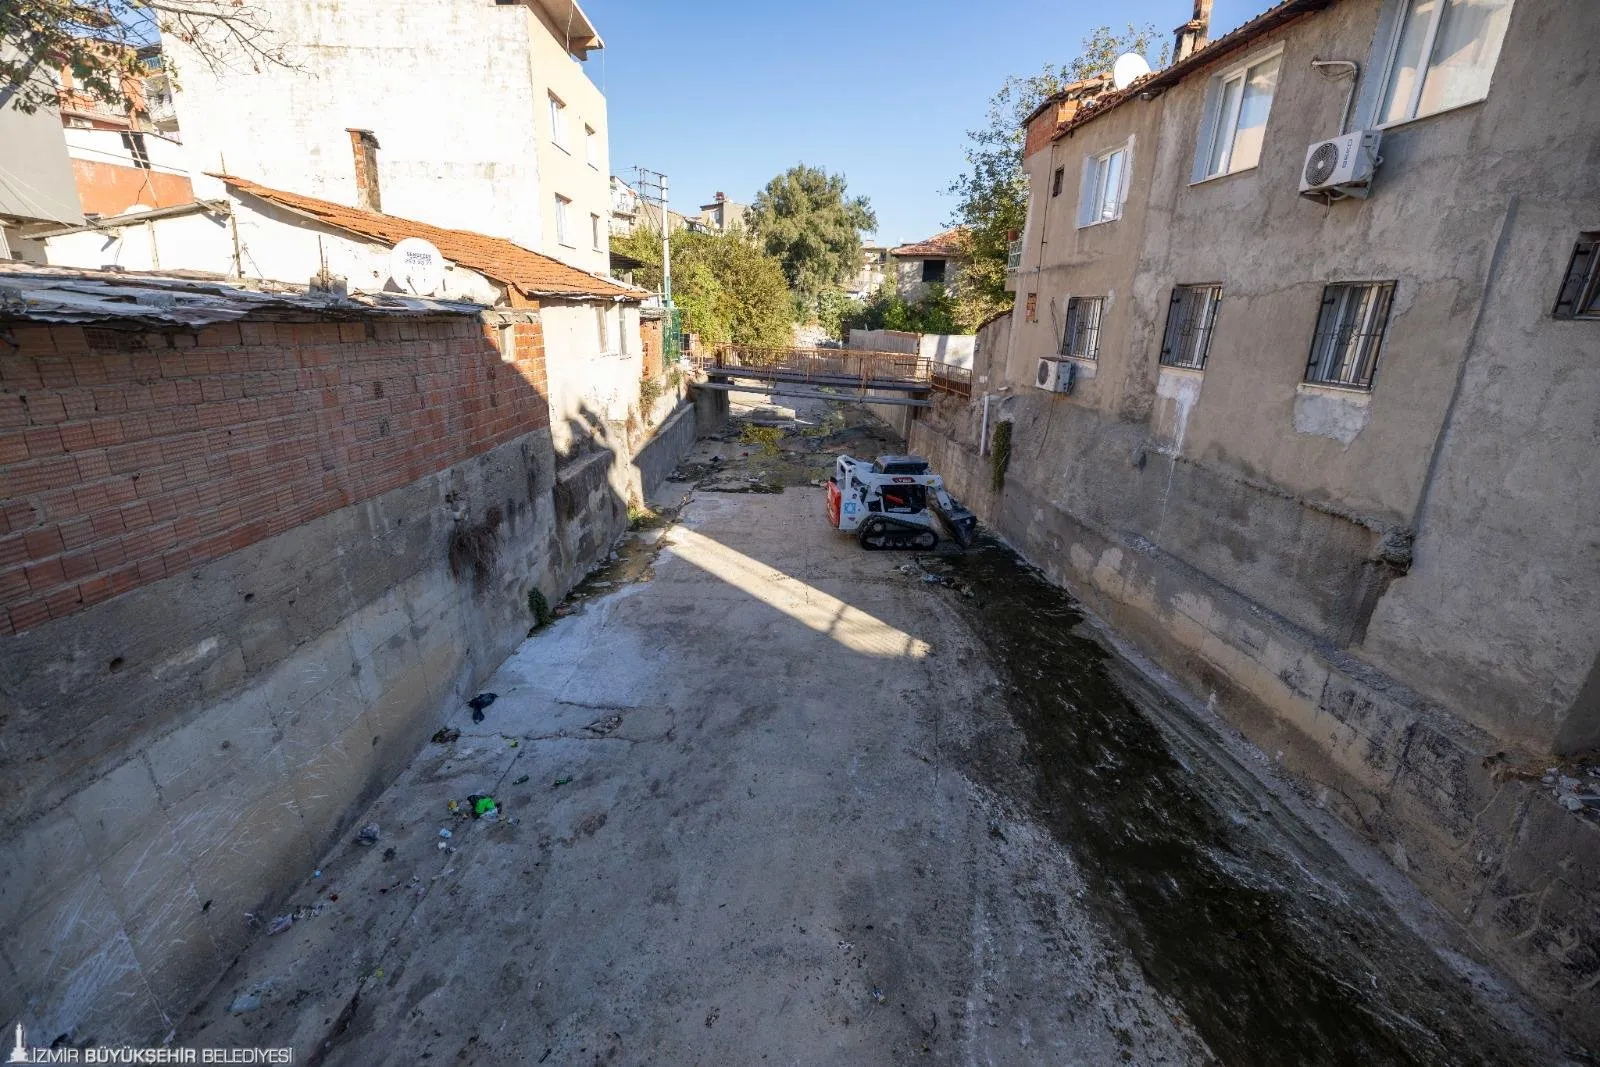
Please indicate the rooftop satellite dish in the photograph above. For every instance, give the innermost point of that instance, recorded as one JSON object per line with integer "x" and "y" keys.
{"x": 1129, "y": 68}
{"x": 416, "y": 267}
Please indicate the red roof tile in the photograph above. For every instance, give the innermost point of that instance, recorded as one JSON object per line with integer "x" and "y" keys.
{"x": 952, "y": 243}
{"x": 530, "y": 272}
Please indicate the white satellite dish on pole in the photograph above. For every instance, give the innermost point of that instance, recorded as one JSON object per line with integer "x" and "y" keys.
{"x": 416, "y": 267}
{"x": 1129, "y": 68}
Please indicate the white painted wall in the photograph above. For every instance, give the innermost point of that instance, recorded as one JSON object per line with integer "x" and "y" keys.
{"x": 953, "y": 349}
{"x": 456, "y": 94}
{"x": 274, "y": 245}
{"x": 588, "y": 382}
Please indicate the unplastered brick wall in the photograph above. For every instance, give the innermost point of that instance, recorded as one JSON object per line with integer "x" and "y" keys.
{"x": 127, "y": 456}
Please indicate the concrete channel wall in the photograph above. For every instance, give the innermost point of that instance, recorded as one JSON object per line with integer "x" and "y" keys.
{"x": 295, "y": 597}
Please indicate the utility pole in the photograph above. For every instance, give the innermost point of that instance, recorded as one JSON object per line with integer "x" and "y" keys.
{"x": 652, "y": 188}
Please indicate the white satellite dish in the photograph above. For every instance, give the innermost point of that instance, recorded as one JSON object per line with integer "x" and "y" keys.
{"x": 416, "y": 266}
{"x": 1129, "y": 68}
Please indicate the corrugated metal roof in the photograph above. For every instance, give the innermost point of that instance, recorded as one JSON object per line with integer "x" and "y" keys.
{"x": 532, "y": 273}
{"x": 59, "y": 295}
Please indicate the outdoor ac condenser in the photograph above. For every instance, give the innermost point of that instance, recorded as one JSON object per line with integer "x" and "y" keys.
{"x": 1341, "y": 166}
{"x": 1056, "y": 375}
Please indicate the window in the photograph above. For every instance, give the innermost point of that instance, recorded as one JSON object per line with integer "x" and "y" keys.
{"x": 1191, "y": 318}
{"x": 591, "y": 146}
{"x": 1344, "y": 350}
{"x": 1105, "y": 181}
{"x": 563, "y": 226}
{"x": 933, "y": 270}
{"x": 594, "y": 232}
{"x": 1443, "y": 54}
{"x": 134, "y": 143}
{"x": 1236, "y": 118}
{"x": 623, "y": 333}
{"x": 1580, "y": 289}
{"x": 602, "y": 323}
{"x": 558, "y": 121}
{"x": 1055, "y": 181}
{"x": 1082, "y": 336}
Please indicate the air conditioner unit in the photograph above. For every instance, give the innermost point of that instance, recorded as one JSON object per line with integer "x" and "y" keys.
{"x": 1341, "y": 166}
{"x": 1056, "y": 375}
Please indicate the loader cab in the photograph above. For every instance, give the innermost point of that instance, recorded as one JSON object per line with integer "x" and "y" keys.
{"x": 900, "y": 465}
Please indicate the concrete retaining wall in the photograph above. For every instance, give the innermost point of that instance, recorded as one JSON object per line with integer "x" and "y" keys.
{"x": 1106, "y": 518}
{"x": 199, "y": 697}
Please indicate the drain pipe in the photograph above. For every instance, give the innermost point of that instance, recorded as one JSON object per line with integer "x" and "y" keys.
{"x": 983, "y": 434}
{"x": 1354, "y": 69}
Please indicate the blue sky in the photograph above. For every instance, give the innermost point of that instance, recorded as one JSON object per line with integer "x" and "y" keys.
{"x": 724, "y": 95}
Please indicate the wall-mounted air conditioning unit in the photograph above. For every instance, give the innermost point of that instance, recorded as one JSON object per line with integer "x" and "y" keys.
{"x": 1056, "y": 375}
{"x": 1341, "y": 166}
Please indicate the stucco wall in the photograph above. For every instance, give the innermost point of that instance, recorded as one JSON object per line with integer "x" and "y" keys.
{"x": 568, "y": 171}
{"x": 438, "y": 84}
{"x": 1254, "y": 533}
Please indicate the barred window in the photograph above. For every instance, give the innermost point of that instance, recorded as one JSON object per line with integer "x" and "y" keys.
{"x": 1191, "y": 318}
{"x": 1349, "y": 333}
{"x": 1580, "y": 287}
{"x": 1082, "y": 336}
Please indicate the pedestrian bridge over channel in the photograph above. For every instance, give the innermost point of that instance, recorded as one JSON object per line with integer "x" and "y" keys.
{"x": 832, "y": 374}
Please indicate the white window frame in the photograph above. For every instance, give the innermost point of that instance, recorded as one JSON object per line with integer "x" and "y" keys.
{"x": 558, "y": 123}
{"x": 1213, "y": 122}
{"x": 1091, "y": 198}
{"x": 1392, "y": 52}
{"x": 594, "y": 231}
{"x": 591, "y": 146}
{"x": 563, "y": 223}
{"x": 602, "y": 326}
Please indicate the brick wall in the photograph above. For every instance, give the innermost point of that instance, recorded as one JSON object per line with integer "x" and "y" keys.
{"x": 126, "y": 457}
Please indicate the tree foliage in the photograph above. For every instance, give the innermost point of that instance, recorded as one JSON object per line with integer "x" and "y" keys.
{"x": 992, "y": 196}
{"x": 805, "y": 219}
{"x": 97, "y": 41}
{"x": 937, "y": 311}
{"x": 727, "y": 288}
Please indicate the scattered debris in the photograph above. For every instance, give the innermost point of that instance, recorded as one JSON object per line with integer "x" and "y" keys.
{"x": 446, "y": 735}
{"x": 388, "y": 855}
{"x": 483, "y": 805}
{"x": 479, "y": 702}
{"x": 521, "y": 780}
{"x": 847, "y": 946}
{"x": 245, "y": 1002}
{"x": 601, "y": 727}
{"x": 369, "y": 835}
{"x": 877, "y": 994}
{"x": 280, "y": 924}
{"x": 445, "y": 832}
{"x": 564, "y": 781}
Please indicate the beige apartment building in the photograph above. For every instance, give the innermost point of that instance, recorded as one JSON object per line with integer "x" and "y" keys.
{"x": 1303, "y": 381}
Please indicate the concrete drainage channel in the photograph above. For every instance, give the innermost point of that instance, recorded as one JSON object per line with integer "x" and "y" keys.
{"x": 1182, "y": 906}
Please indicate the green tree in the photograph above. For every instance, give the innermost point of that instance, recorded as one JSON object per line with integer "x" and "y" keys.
{"x": 727, "y": 288}
{"x": 97, "y": 42}
{"x": 992, "y": 196}
{"x": 805, "y": 219}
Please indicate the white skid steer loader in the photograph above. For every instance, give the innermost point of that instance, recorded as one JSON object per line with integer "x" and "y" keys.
{"x": 895, "y": 502}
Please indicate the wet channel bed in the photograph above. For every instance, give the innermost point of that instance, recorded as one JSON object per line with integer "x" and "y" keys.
{"x": 1277, "y": 952}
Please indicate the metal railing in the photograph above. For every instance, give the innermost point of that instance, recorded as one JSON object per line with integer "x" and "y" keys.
{"x": 819, "y": 364}
{"x": 957, "y": 381}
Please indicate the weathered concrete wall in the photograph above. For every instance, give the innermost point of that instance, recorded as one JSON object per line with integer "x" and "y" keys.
{"x": 659, "y": 455}
{"x": 1499, "y": 855}
{"x": 884, "y": 341}
{"x": 184, "y": 733}
{"x": 1255, "y": 533}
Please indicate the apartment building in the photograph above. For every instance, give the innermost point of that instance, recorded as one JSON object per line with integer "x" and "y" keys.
{"x": 484, "y": 115}
{"x": 1317, "y": 425}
